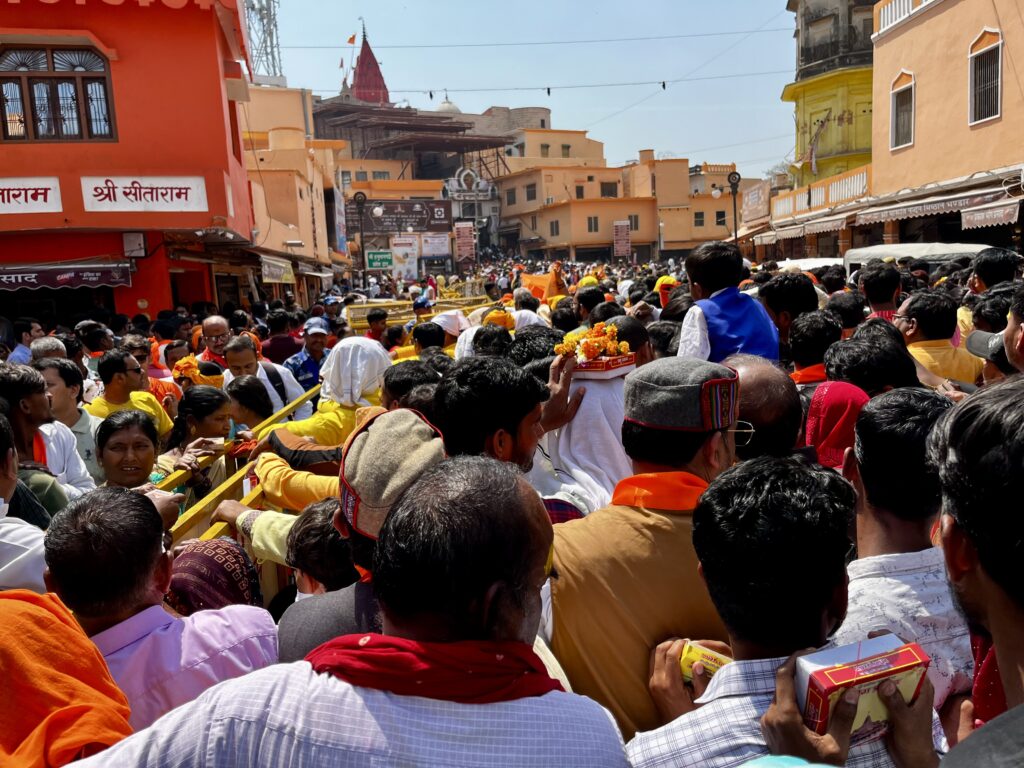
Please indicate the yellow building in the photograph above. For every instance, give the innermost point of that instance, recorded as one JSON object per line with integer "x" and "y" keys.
{"x": 832, "y": 91}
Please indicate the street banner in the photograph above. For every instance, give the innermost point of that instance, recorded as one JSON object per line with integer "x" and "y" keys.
{"x": 405, "y": 252}
{"x": 435, "y": 244}
{"x": 339, "y": 215}
{"x": 621, "y": 239}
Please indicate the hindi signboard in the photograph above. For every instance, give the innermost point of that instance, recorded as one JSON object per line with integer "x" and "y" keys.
{"x": 621, "y": 239}
{"x": 756, "y": 200}
{"x": 340, "y": 229}
{"x": 394, "y": 217}
{"x": 64, "y": 276}
{"x": 405, "y": 253}
{"x": 30, "y": 194}
{"x": 435, "y": 244}
{"x": 379, "y": 260}
{"x": 465, "y": 241}
{"x": 144, "y": 194}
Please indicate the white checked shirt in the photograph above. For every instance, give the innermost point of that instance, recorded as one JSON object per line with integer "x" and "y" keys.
{"x": 287, "y": 715}
{"x": 726, "y": 730}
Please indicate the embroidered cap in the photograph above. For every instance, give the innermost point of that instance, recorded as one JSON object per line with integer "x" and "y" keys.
{"x": 685, "y": 394}
{"x": 382, "y": 458}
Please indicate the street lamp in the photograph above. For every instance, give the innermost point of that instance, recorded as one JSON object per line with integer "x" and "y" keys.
{"x": 734, "y": 186}
{"x": 359, "y": 198}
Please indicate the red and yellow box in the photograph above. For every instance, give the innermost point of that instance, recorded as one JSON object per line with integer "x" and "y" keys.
{"x": 606, "y": 367}
{"x": 695, "y": 652}
{"x": 822, "y": 678}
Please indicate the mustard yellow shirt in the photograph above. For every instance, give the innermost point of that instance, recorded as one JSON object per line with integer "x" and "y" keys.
{"x": 137, "y": 401}
{"x": 291, "y": 488}
{"x": 943, "y": 359}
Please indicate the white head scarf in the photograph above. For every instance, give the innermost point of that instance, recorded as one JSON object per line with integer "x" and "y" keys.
{"x": 464, "y": 346}
{"x": 525, "y": 318}
{"x": 354, "y": 367}
{"x": 453, "y": 321}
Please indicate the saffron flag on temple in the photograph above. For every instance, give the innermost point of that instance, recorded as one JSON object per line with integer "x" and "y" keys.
{"x": 351, "y": 40}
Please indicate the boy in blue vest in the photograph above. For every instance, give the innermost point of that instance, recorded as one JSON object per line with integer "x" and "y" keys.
{"x": 723, "y": 321}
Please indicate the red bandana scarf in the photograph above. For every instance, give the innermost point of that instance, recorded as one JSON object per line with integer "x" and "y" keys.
{"x": 466, "y": 672}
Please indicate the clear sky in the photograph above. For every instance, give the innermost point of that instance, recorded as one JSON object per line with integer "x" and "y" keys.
{"x": 726, "y": 119}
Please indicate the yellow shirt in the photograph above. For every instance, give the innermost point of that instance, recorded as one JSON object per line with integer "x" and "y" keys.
{"x": 137, "y": 401}
{"x": 291, "y": 488}
{"x": 943, "y": 359}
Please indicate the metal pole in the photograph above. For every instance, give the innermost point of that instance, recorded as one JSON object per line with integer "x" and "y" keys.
{"x": 735, "y": 220}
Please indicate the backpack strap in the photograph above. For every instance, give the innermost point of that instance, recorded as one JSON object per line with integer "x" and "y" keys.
{"x": 274, "y": 376}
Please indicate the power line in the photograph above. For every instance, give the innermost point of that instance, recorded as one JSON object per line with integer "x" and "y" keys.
{"x": 578, "y": 85}
{"x": 699, "y": 67}
{"x": 544, "y": 42}
{"x": 740, "y": 144}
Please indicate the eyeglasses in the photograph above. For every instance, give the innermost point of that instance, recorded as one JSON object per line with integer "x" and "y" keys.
{"x": 221, "y": 337}
{"x": 904, "y": 318}
{"x": 142, "y": 359}
{"x": 137, "y": 369}
{"x": 744, "y": 433}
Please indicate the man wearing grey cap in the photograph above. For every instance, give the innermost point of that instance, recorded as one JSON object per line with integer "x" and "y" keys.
{"x": 627, "y": 574}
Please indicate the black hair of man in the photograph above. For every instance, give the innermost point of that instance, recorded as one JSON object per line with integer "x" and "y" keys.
{"x": 589, "y": 297}
{"x": 668, "y": 448}
{"x": 166, "y": 329}
{"x": 278, "y": 321}
{"x": 879, "y": 330}
{"x": 811, "y": 335}
{"x": 604, "y": 312}
{"x": 428, "y": 335}
{"x": 316, "y": 548}
{"x": 874, "y": 366}
{"x": 239, "y": 320}
{"x": 94, "y": 337}
{"x": 789, "y": 292}
{"x": 564, "y": 320}
{"x": 833, "y": 279}
{"x": 481, "y": 395}
{"x": 795, "y": 514}
{"x": 421, "y": 399}
{"x": 664, "y": 335}
{"x": 979, "y": 450}
{"x": 996, "y": 265}
{"x": 879, "y": 282}
{"x": 918, "y": 265}
{"x": 112, "y": 363}
{"x": 463, "y": 527}
{"x": 376, "y": 314}
{"x": 565, "y": 303}
{"x": 631, "y": 331}
{"x": 715, "y": 265}
{"x": 437, "y": 359}
{"x": 240, "y": 344}
{"x": 18, "y": 382}
{"x": 679, "y": 303}
{"x": 72, "y": 346}
{"x": 23, "y": 325}
{"x": 527, "y": 301}
{"x": 492, "y": 340}
{"x": 991, "y": 312}
{"x": 890, "y": 444}
{"x": 535, "y": 342}
{"x": 101, "y": 550}
{"x": 393, "y": 336}
{"x": 848, "y": 306}
{"x": 401, "y": 377}
{"x": 636, "y": 295}
{"x": 135, "y": 342}
{"x": 935, "y": 313}
{"x": 69, "y": 373}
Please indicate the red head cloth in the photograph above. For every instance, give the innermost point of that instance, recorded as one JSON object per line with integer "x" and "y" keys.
{"x": 831, "y": 419}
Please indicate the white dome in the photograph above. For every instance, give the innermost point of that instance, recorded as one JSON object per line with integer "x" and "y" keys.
{"x": 448, "y": 106}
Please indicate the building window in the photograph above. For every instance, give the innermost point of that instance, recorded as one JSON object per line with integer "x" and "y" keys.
{"x": 531, "y": 192}
{"x": 543, "y": 123}
{"x": 381, "y": 175}
{"x": 634, "y": 222}
{"x": 346, "y": 178}
{"x": 986, "y": 76}
{"x": 579, "y": 191}
{"x": 55, "y": 94}
{"x": 545, "y": 150}
{"x": 609, "y": 189}
{"x": 533, "y": 223}
{"x": 510, "y": 196}
{"x": 590, "y": 178}
{"x": 654, "y": 184}
{"x": 698, "y": 218}
{"x": 593, "y": 225}
{"x": 902, "y": 111}
{"x": 566, "y": 148}
{"x": 360, "y": 175}
{"x": 554, "y": 228}
{"x": 719, "y": 218}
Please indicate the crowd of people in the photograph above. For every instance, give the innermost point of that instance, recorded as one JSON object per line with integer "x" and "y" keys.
{"x": 498, "y": 556}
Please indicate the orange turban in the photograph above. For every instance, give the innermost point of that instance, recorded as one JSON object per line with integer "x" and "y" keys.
{"x": 500, "y": 318}
{"x": 188, "y": 368}
{"x": 60, "y": 702}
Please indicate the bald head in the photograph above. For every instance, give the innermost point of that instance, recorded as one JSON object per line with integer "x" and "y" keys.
{"x": 769, "y": 400}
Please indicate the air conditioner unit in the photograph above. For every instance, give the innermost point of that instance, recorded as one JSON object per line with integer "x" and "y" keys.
{"x": 548, "y": 200}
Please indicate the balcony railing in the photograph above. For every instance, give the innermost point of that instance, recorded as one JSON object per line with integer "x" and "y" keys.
{"x": 823, "y": 194}
{"x": 892, "y": 12}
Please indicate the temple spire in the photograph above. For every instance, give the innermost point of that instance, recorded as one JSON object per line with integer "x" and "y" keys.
{"x": 367, "y": 80}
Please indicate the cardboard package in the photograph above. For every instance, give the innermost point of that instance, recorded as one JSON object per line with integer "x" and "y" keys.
{"x": 822, "y": 677}
{"x": 694, "y": 652}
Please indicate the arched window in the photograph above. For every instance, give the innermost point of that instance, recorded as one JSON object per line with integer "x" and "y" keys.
{"x": 901, "y": 127}
{"x": 48, "y": 93}
{"x": 986, "y": 76}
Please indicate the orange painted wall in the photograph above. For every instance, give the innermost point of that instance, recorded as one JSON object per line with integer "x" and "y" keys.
{"x": 170, "y": 108}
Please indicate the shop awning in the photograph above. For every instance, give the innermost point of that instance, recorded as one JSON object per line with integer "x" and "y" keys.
{"x": 788, "y": 233}
{"x": 768, "y": 238}
{"x": 827, "y": 224}
{"x": 65, "y": 275}
{"x": 990, "y": 214}
{"x": 277, "y": 270}
{"x": 313, "y": 273}
{"x": 930, "y": 206}
{"x": 753, "y": 229}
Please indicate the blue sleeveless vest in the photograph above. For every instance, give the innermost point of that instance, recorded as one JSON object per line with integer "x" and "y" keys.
{"x": 738, "y": 323}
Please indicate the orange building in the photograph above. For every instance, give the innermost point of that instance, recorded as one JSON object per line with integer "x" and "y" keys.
{"x": 122, "y": 181}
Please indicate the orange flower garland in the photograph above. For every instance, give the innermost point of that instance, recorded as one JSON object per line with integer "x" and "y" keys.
{"x": 601, "y": 340}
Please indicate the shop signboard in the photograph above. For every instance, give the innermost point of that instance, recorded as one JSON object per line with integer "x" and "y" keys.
{"x": 144, "y": 194}
{"x": 621, "y": 239}
{"x": 30, "y": 194}
{"x": 379, "y": 260}
{"x": 465, "y": 241}
{"x": 756, "y": 199}
{"x": 405, "y": 252}
{"x": 394, "y": 217}
{"x": 64, "y": 276}
{"x": 435, "y": 244}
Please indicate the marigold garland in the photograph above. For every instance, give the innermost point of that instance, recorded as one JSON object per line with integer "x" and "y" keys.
{"x": 601, "y": 340}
